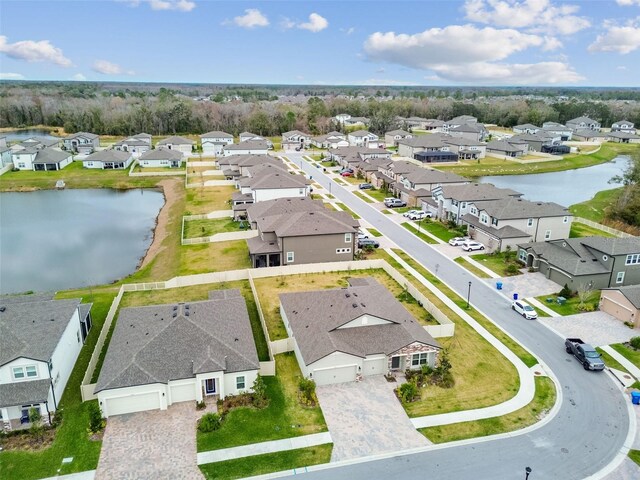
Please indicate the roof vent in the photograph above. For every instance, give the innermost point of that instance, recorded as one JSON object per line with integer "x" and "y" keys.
{"x": 347, "y": 295}
{"x": 175, "y": 314}
{"x": 354, "y": 305}
{"x": 363, "y": 304}
{"x": 52, "y": 319}
{"x": 235, "y": 339}
{"x": 3, "y": 308}
{"x": 186, "y": 313}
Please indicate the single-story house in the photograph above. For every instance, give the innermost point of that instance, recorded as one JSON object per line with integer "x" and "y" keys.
{"x": 178, "y": 143}
{"x": 81, "y": 142}
{"x": 526, "y": 128}
{"x": 50, "y": 159}
{"x": 212, "y": 142}
{"x": 623, "y": 137}
{"x": 588, "y": 135}
{"x": 554, "y": 128}
{"x": 436, "y": 156}
{"x": 507, "y": 148}
{"x": 408, "y": 147}
{"x": 362, "y": 330}
{"x": 623, "y": 303}
{"x": 108, "y": 160}
{"x": 163, "y": 354}
{"x": 161, "y": 158}
{"x": 330, "y": 140}
{"x": 467, "y": 149}
{"x": 249, "y": 147}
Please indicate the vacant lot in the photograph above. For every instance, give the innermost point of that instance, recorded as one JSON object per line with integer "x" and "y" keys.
{"x": 214, "y": 257}
{"x": 208, "y": 199}
{"x": 208, "y": 227}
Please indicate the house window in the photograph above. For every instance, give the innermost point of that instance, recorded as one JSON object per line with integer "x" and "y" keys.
{"x": 565, "y": 219}
{"x": 530, "y": 222}
{"x": 31, "y": 371}
{"x": 620, "y": 277}
{"x": 633, "y": 259}
{"x": 547, "y": 235}
{"x": 301, "y": 191}
{"x": 18, "y": 372}
{"x": 463, "y": 205}
{"x": 240, "y": 382}
{"x": 419, "y": 359}
{"x": 484, "y": 218}
{"x": 522, "y": 255}
{"x": 494, "y": 221}
{"x": 289, "y": 257}
{"x": 21, "y": 165}
{"x": 347, "y": 238}
{"x": 474, "y": 211}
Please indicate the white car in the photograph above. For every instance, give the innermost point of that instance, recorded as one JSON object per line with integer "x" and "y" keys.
{"x": 419, "y": 215}
{"x": 409, "y": 212}
{"x": 524, "y": 309}
{"x": 457, "y": 241}
{"x": 362, "y": 236}
{"x": 471, "y": 245}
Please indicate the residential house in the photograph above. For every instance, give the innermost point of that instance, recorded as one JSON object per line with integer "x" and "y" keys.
{"x": 269, "y": 181}
{"x": 37, "y": 143}
{"x": 622, "y": 303}
{"x": 434, "y": 125}
{"x": 330, "y": 140}
{"x": 363, "y": 138}
{"x": 343, "y": 333}
{"x": 415, "y": 122}
{"x": 247, "y": 136}
{"x": 352, "y": 156}
{"x": 428, "y": 178}
{"x": 341, "y": 118}
{"x": 588, "y": 135}
{"x": 507, "y": 148}
{"x": 46, "y": 159}
{"x": 461, "y": 120}
{"x": 5, "y": 157}
{"x": 299, "y": 230}
{"x": 408, "y": 147}
{"x": 583, "y": 123}
{"x": 294, "y": 139}
{"x": 81, "y": 142}
{"x": 391, "y": 138}
{"x": 108, "y": 160}
{"x": 535, "y": 141}
{"x": 40, "y": 340}
{"x": 597, "y": 262}
{"x": 161, "y": 158}
{"x": 213, "y": 142}
{"x": 242, "y": 163}
{"x": 249, "y": 147}
{"x": 136, "y": 145}
{"x": 621, "y": 136}
{"x": 557, "y": 129}
{"x": 181, "y": 144}
{"x": 436, "y": 156}
{"x": 189, "y": 352}
{"x": 465, "y": 148}
{"x": 526, "y": 128}
{"x": 511, "y": 221}
{"x": 623, "y": 126}
{"x": 472, "y": 131}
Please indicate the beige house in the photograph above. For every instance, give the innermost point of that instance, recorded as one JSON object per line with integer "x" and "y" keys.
{"x": 622, "y": 303}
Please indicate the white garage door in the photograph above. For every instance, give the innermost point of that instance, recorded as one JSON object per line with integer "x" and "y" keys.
{"x": 183, "y": 393}
{"x": 327, "y": 376}
{"x": 133, "y": 403}
{"x": 375, "y": 366}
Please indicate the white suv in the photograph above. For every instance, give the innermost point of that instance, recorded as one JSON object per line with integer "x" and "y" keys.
{"x": 524, "y": 309}
{"x": 470, "y": 245}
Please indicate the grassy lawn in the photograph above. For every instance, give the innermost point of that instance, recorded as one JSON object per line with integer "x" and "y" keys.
{"x": 628, "y": 352}
{"x": 571, "y": 305}
{"x": 269, "y": 290}
{"x": 403, "y": 209}
{"x": 542, "y": 402}
{"x": 362, "y": 197}
{"x": 174, "y": 171}
{"x": 494, "y": 166}
{"x": 440, "y": 230}
{"x": 214, "y": 257}
{"x": 374, "y": 232}
{"x": 472, "y": 268}
{"x": 635, "y": 456}
{"x": 595, "y": 209}
{"x": 387, "y": 212}
{"x": 208, "y": 227}
{"x": 339, "y": 181}
{"x": 267, "y": 463}
{"x": 71, "y": 438}
{"x": 284, "y": 417}
{"x": 424, "y": 237}
{"x": 581, "y": 230}
{"x": 379, "y": 195}
{"x": 208, "y": 199}
{"x": 609, "y": 361}
{"x": 347, "y": 209}
{"x": 497, "y": 262}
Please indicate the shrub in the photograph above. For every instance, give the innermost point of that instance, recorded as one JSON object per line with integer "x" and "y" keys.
{"x": 96, "y": 422}
{"x": 35, "y": 418}
{"x": 56, "y": 420}
{"x": 209, "y": 422}
{"x": 407, "y": 392}
{"x": 307, "y": 389}
{"x": 512, "y": 269}
{"x": 565, "y": 292}
{"x": 259, "y": 392}
{"x": 200, "y": 405}
{"x": 586, "y": 307}
{"x": 635, "y": 342}
{"x": 426, "y": 369}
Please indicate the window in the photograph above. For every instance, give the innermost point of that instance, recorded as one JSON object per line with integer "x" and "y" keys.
{"x": 240, "y": 382}
{"x": 547, "y": 235}
{"x": 633, "y": 259}
{"x": 301, "y": 191}
{"x": 31, "y": 371}
{"x": 565, "y": 219}
{"x": 21, "y": 165}
{"x": 50, "y": 365}
{"x": 289, "y": 257}
{"x": 463, "y": 205}
{"x": 347, "y": 238}
{"x": 620, "y": 277}
{"x": 474, "y": 211}
{"x": 18, "y": 372}
{"x": 522, "y": 255}
{"x": 494, "y": 221}
{"x": 419, "y": 359}
{"x": 530, "y": 222}
{"x": 484, "y": 218}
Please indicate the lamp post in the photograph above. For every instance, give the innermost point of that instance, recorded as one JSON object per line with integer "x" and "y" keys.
{"x": 527, "y": 471}
{"x": 419, "y": 223}
{"x": 468, "y": 294}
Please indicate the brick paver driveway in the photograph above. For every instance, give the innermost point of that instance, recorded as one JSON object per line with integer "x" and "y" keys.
{"x": 365, "y": 418}
{"x": 151, "y": 445}
{"x": 597, "y": 328}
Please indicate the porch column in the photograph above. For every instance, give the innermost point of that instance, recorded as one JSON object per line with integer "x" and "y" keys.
{"x": 5, "y": 414}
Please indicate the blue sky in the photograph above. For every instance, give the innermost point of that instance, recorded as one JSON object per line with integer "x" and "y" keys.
{"x": 466, "y": 42}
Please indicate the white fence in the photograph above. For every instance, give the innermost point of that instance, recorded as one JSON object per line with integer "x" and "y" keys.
{"x": 6, "y": 169}
{"x": 203, "y": 163}
{"x": 604, "y": 228}
{"x": 88, "y": 392}
{"x": 282, "y": 346}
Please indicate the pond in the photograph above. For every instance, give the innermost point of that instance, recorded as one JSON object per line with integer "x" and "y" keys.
{"x": 54, "y": 240}
{"x": 565, "y": 188}
{"x": 20, "y": 135}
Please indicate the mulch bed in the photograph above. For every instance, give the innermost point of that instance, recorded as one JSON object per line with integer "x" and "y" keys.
{"x": 26, "y": 442}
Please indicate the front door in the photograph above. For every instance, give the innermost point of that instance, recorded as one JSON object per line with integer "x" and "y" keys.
{"x": 395, "y": 363}
{"x": 210, "y": 386}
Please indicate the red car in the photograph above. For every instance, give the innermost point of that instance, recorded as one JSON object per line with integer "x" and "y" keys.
{"x": 347, "y": 174}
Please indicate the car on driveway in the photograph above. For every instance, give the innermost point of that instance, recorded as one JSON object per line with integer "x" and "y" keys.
{"x": 471, "y": 245}
{"x": 350, "y": 170}
{"x": 365, "y": 242}
{"x": 457, "y": 241}
{"x": 365, "y": 186}
{"x": 347, "y": 174}
{"x": 524, "y": 309}
{"x": 394, "y": 202}
{"x": 362, "y": 236}
{"x": 419, "y": 215}
{"x": 408, "y": 212}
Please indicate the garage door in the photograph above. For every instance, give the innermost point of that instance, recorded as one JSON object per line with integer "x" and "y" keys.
{"x": 327, "y": 376}
{"x": 133, "y": 403}
{"x": 183, "y": 393}
{"x": 375, "y": 366}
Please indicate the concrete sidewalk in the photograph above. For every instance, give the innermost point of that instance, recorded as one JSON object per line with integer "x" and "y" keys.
{"x": 622, "y": 360}
{"x": 541, "y": 306}
{"x": 479, "y": 266}
{"x": 293, "y": 443}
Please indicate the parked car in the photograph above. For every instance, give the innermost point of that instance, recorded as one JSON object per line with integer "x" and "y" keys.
{"x": 362, "y": 236}
{"x": 395, "y": 202}
{"x": 457, "y": 241}
{"x": 419, "y": 215}
{"x": 365, "y": 186}
{"x": 524, "y": 309}
{"x": 409, "y": 212}
{"x": 585, "y": 353}
{"x": 350, "y": 170}
{"x": 347, "y": 174}
{"x": 368, "y": 242}
{"x": 471, "y": 245}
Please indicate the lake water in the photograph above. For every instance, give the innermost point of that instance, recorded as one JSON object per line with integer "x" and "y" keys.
{"x": 54, "y": 240}
{"x": 565, "y": 188}
{"x": 20, "y": 135}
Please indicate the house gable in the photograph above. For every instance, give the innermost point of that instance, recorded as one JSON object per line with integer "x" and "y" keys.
{"x": 365, "y": 320}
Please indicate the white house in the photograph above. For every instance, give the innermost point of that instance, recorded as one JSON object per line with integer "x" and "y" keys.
{"x": 623, "y": 126}
{"x": 557, "y": 129}
{"x": 81, "y": 142}
{"x": 583, "y": 123}
{"x": 270, "y": 181}
{"x": 330, "y": 140}
{"x": 40, "y": 339}
{"x": 161, "y": 158}
{"x": 175, "y": 142}
{"x": 296, "y": 136}
{"x": 213, "y": 142}
{"x": 5, "y": 157}
{"x": 136, "y": 145}
{"x": 46, "y": 159}
{"x": 163, "y": 354}
{"x": 341, "y": 333}
{"x": 109, "y": 160}
{"x": 363, "y": 138}
{"x": 249, "y": 147}
{"x": 526, "y": 128}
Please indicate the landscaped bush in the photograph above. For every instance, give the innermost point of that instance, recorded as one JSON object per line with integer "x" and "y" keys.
{"x": 408, "y": 392}
{"x": 586, "y": 307}
{"x": 512, "y": 269}
{"x": 209, "y": 422}
{"x": 635, "y": 342}
{"x": 200, "y": 405}
{"x": 234, "y": 401}
{"x": 96, "y": 422}
{"x": 565, "y": 292}
{"x": 307, "y": 389}
{"x": 259, "y": 392}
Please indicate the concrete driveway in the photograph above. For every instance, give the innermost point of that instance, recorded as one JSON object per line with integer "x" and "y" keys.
{"x": 596, "y": 328}
{"x": 365, "y": 418}
{"x": 156, "y": 444}
{"x": 526, "y": 285}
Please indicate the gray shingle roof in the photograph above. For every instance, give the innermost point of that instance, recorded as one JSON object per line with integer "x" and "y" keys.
{"x": 50, "y": 155}
{"x": 24, "y": 393}
{"x": 248, "y": 145}
{"x": 90, "y": 136}
{"x": 108, "y": 156}
{"x": 506, "y": 231}
{"x": 430, "y": 176}
{"x": 361, "y": 133}
{"x": 278, "y": 180}
{"x": 150, "y": 345}
{"x": 176, "y": 140}
{"x": 281, "y": 206}
{"x": 476, "y": 192}
{"x": 632, "y": 293}
{"x": 315, "y": 318}
{"x": 514, "y": 208}
{"x": 613, "y": 246}
{"x": 162, "y": 154}
{"x": 504, "y": 146}
{"x": 581, "y": 120}
{"x": 572, "y": 258}
{"x": 425, "y": 141}
{"x": 216, "y": 134}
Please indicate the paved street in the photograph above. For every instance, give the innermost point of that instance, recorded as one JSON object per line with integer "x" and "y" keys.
{"x": 587, "y": 432}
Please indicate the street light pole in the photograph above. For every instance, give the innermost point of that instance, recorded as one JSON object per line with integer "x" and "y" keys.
{"x": 468, "y": 294}
{"x": 527, "y": 471}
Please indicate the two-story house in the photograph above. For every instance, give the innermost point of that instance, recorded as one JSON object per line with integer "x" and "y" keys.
{"x": 526, "y": 128}
{"x": 392, "y": 138}
{"x": 472, "y": 131}
{"x": 408, "y": 147}
{"x": 330, "y": 140}
{"x": 465, "y": 148}
{"x": 249, "y": 147}
{"x": 295, "y": 139}
{"x": 583, "y": 123}
{"x": 623, "y": 126}
{"x": 507, "y": 148}
{"x": 81, "y": 142}
{"x": 213, "y": 142}
{"x": 136, "y": 145}
{"x": 269, "y": 181}
{"x": 40, "y": 340}
{"x": 363, "y": 138}
{"x": 558, "y": 129}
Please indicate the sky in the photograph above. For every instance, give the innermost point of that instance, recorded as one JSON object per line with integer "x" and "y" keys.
{"x": 352, "y": 42}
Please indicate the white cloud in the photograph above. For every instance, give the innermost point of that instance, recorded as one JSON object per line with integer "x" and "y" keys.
{"x": 79, "y": 77}
{"x": 32, "y": 51}
{"x": 315, "y": 24}
{"x": 509, "y": 74}
{"x": 348, "y": 31}
{"x": 534, "y": 15}
{"x": 11, "y": 76}
{"x": 286, "y": 23}
{"x": 107, "y": 68}
{"x": 621, "y": 67}
{"x": 622, "y": 39}
{"x": 179, "y": 5}
{"x": 627, "y": 3}
{"x": 252, "y": 18}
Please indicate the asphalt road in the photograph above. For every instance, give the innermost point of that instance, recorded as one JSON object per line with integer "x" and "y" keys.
{"x": 585, "y": 435}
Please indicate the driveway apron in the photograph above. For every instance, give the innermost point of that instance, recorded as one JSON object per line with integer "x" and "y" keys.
{"x": 365, "y": 418}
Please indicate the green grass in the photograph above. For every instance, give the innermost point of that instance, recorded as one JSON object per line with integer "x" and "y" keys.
{"x": 440, "y": 230}
{"x": 284, "y": 417}
{"x": 496, "y": 262}
{"x": 387, "y": 212}
{"x": 609, "y": 361}
{"x": 403, "y": 209}
{"x": 423, "y": 236}
{"x": 374, "y": 232}
{"x": 379, "y": 195}
{"x": 635, "y": 456}
{"x": 596, "y": 208}
{"x": 472, "y": 268}
{"x": 201, "y": 200}
{"x": 581, "y": 230}
{"x": 213, "y": 257}
{"x": 267, "y": 463}
{"x": 542, "y": 402}
{"x": 571, "y": 305}
{"x": 629, "y": 353}
{"x": 208, "y": 227}
{"x": 347, "y": 209}
{"x": 362, "y": 197}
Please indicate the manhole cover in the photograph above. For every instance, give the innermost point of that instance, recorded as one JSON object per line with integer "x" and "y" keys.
{"x": 537, "y": 373}
{"x": 564, "y": 450}
{"x": 627, "y": 376}
{"x": 568, "y": 360}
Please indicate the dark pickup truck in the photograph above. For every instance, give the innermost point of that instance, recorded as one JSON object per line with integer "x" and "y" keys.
{"x": 585, "y": 353}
